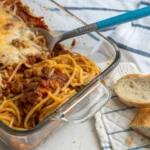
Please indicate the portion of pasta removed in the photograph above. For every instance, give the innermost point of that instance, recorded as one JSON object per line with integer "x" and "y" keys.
{"x": 33, "y": 84}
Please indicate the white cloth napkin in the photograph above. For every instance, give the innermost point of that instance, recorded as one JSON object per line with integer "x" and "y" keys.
{"x": 133, "y": 39}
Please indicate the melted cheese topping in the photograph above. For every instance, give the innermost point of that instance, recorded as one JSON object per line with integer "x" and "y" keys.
{"x": 12, "y": 28}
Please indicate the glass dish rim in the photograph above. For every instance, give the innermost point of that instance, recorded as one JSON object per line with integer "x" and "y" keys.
{"x": 99, "y": 77}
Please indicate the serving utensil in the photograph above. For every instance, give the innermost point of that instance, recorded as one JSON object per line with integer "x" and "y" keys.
{"x": 123, "y": 18}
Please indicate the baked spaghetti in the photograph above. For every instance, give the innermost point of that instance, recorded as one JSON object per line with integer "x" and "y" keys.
{"x": 33, "y": 83}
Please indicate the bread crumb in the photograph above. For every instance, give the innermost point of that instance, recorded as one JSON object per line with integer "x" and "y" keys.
{"x": 74, "y": 142}
{"x": 142, "y": 139}
{"x": 103, "y": 81}
{"x": 129, "y": 141}
{"x": 108, "y": 63}
{"x": 132, "y": 138}
{"x": 73, "y": 43}
{"x": 45, "y": 8}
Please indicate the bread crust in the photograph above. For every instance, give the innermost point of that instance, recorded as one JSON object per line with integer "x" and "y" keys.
{"x": 130, "y": 102}
{"x": 142, "y": 119}
{"x": 140, "y": 132}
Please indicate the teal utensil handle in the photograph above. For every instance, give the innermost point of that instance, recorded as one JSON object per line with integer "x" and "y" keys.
{"x": 129, "y": 16}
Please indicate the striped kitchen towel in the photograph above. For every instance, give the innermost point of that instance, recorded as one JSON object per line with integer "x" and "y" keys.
{"x": 112, "y": 121}
{"x": 133, "y": 39}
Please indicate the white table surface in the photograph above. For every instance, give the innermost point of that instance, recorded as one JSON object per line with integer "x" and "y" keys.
{"x": 71, "y": 137}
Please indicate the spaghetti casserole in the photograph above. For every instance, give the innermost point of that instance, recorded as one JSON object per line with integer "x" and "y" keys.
{"x": 33, "y": 83}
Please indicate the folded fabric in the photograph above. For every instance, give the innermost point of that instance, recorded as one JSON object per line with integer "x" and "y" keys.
{"x": 112, "y": 121}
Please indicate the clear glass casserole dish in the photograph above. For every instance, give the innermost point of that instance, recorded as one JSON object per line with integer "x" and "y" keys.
{"x": 87, "y": 101}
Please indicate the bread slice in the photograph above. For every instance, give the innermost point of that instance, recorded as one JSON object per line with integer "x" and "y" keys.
{"x": 134, "y": 90}
{"x": 141, "y": 122}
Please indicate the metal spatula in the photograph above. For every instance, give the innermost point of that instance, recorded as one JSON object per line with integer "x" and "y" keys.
{"x": 127, "y": 17}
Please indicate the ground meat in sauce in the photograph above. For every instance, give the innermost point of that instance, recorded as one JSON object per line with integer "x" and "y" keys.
{"x": 35, "y": 82}
{"x": 24, "y": 44}
{"x": 17, "y": 87}
{"x": 10, "y": 72}
{"x": 15, "y": 42}
{"x": 73, "y": 42}
{"x": 54, "y": 83}
{"x": 51, "y": 83}
{"x": 36, "y": 87}
{"x": 31, "y": 94}
{"x": 14, "y": 19}
{"x": 31, "y": 97}
{"x": 41, "y": 41}
{"x": 37, "y": 58}
{"x": 20, "y": 43}
{"x": 9, "y": 26}
{"x": 25, "y": 108}
{"x": 36, "y": 72}
{"x": 6, "y": 92}
{"x": 60, "y": 76}
{"x": 24, "y": 12}
{"x": 44, "y": 83}
{"x": 28, "y": 73}
{"x": 31, "y": 60}
{"x": 26, "y": 83}
{"x": 1, "y": 93}
{"x": 46, "y": 71}
{"x": 34, "y": 94}
{"x": 58, "y": 50}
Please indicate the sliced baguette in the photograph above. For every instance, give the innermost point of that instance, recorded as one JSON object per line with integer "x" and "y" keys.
{"x": 141, "y": 122}
{"x": 134, "y": 90}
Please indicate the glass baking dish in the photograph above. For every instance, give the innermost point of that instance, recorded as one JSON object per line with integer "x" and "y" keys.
{"x": 87, "y": 101}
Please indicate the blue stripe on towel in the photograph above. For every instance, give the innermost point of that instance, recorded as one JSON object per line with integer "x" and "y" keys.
{"x": 96, "y": 8}
{"x": 139, "y": 147}
{"x": 141, "y": 26}
{"x": 121, "y": 131}
{"x": 122, "y": 109}
{"x": 93, "y": 37}
{"x": 145, "y": 3}
{"x": 106, "y": 147}
{"x": 54, "y": 9}
{"x": 90, "y": 8}
{"x": 130, "y": 49}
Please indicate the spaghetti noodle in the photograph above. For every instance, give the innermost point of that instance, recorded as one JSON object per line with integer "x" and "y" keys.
{"x": 35, "y": 85}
